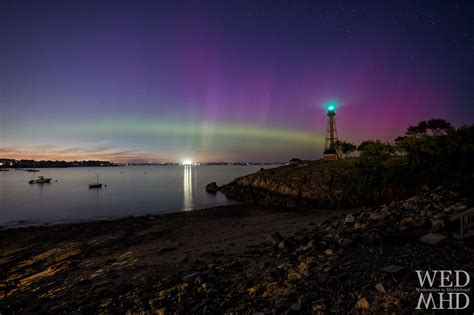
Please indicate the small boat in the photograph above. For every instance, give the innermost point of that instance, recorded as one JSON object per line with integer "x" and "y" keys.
{"x": 96, "y": 185}
{"x": 32, "y": 170}
{"x": 40, "y": 180}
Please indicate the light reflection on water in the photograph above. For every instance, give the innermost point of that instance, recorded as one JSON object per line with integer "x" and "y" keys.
{"x": 188, "y": 187}
{"x": 131, "y": 190}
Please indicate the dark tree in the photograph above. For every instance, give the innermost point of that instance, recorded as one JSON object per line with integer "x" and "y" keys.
{"x": 345, "y": 147}
{"x": 432, "y": 127}
{"x": 418, "y": 130}
{"x": 438, "y": 127}
{"x": 421, "y": 142}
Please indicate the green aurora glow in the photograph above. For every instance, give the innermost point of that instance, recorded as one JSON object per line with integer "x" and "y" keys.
{"x": 206, "y": 141}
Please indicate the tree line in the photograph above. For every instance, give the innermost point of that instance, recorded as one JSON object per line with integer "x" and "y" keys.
{"x": 415, "y": 138}
{"x": 432, "y": 151}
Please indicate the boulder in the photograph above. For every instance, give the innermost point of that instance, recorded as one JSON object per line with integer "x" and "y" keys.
{"x": 380, "y": 288}
{"x": 294, "y": 276}
{"x": 212, "y": 188}
{"x": 378, "y": 216}
{"x": 412, "y": 222}
{"x": 437, "y": 225}
{"x": 329, "y": 252}
{"x": 432, "y": 238}
{"x": 393, "y": 269}
{"x": 273, "y": 238}
{"x": 349, "y": 219}
{"x": 303, "y": 268}
{"x": 362, "y": 304}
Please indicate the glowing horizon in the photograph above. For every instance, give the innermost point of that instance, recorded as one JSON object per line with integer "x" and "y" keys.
{"x": 224, "y": 81}
{"x": 209, "y": 137}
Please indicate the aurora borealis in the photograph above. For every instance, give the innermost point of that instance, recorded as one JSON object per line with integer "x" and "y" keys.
{"x": 161, "y": 81}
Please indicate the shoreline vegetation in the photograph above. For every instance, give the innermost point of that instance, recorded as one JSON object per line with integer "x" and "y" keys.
{"x": 393, "y": 210}
{"x": 430, "y": 154}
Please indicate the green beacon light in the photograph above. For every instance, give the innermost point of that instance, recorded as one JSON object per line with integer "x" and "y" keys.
{"x": 331, "y": 107}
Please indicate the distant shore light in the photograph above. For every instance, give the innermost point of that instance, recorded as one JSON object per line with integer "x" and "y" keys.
{"x": 187, "y": 162}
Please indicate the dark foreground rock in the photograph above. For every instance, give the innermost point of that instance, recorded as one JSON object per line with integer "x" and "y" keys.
{"x": 362, "y": 262}
{"x": 212, "y": 188}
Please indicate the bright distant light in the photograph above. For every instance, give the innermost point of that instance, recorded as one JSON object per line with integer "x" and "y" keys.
{"x": 331, "y": 107}
{"x": 187, "y": 162}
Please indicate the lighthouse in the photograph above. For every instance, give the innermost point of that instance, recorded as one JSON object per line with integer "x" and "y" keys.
{"x": 330, "y": 153}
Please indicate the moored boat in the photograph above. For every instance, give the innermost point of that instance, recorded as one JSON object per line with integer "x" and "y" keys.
{"x": 96, "y": 185}
{"x": 40, "y": 180}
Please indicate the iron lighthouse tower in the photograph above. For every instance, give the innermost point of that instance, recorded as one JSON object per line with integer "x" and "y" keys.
{"x": 330, "y": 153}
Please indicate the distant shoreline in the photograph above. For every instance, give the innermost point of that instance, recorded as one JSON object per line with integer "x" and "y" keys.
{"x": 6, "y": 164}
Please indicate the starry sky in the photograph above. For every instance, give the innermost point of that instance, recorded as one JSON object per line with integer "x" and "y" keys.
{"x": 158, "y": 81}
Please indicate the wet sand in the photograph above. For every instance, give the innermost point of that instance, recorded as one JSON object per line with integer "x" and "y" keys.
{"x": 52, "y": 267}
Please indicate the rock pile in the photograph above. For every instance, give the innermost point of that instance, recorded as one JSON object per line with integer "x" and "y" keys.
{"x": 361, "y": 262}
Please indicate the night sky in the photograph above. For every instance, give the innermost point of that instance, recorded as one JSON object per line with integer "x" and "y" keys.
{"x": 225, "y": 80}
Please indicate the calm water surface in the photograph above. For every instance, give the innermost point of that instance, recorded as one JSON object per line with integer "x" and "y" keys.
{"x": 131, "y": 190}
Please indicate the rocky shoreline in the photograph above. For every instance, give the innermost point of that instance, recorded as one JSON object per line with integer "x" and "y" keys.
{"x": 318, "y": 185}
{"x": 357, "y": 262}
